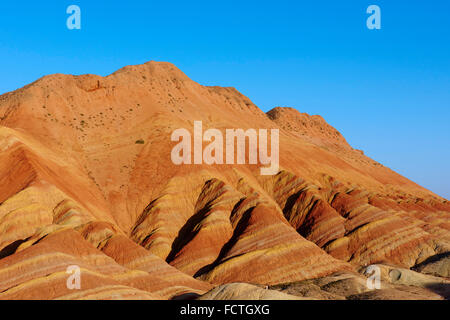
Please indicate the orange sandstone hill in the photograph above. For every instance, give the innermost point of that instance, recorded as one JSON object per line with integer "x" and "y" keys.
{"x": 86, "y": 179}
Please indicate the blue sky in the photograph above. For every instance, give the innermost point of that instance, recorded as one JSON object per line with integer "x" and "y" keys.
{"x": 387, "y": 91}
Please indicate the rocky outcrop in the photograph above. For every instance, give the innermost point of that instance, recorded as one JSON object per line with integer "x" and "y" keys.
{"x": 244, "y": 291}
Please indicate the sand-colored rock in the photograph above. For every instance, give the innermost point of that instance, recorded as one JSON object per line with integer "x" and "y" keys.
{"x": 245, "y": 291}
{"x": 405, "y": 277}
{"x": 350, "y": 286}
{"x": 438, "y": 265}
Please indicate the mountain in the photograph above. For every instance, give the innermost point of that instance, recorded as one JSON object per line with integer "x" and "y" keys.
{"x": 87, "y": 180}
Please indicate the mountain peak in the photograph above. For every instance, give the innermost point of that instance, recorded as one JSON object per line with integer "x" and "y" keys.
{"x": 312, "y": 128}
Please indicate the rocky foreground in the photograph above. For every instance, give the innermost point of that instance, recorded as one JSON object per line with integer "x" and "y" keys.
{"x": 86, "y": 180}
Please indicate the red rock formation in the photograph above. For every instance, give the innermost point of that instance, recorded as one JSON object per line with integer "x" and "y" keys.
{"x": 86, "y": 179}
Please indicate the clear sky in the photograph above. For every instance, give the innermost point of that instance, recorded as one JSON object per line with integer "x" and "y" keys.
{"x": 387, "y": 91}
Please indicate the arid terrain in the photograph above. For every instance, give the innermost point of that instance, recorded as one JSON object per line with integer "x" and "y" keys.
{"x": 86, "y": 179}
